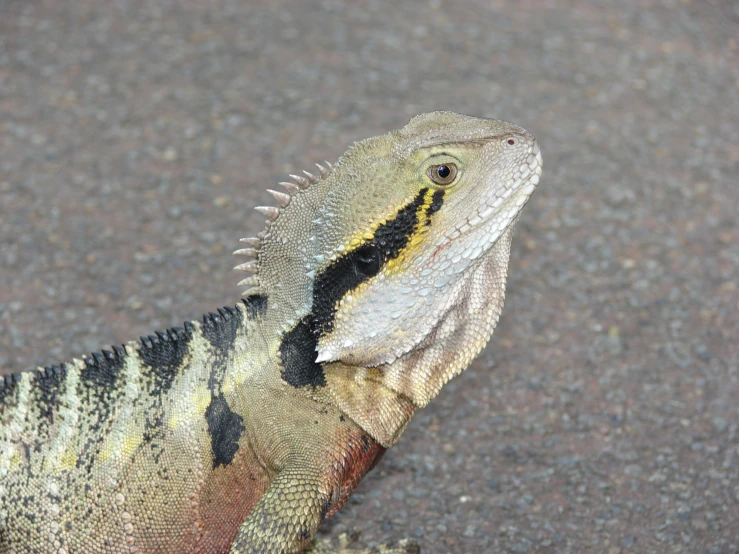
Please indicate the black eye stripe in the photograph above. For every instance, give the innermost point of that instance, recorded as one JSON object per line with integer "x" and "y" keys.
{"x": 340, "y": 277}
{"x": 436, "y": 202}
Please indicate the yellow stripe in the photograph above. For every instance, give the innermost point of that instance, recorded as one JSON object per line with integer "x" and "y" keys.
{"x": 415, "y": 241}
{"x": 366, "y": 235}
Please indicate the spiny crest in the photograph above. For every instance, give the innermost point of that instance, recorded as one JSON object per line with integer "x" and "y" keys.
{"x": 254, "y": 244}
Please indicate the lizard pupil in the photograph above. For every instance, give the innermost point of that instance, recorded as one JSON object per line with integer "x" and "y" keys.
{"x": 442, "y": 174}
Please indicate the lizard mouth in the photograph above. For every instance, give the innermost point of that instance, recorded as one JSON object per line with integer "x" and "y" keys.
{"x": 505, "y": 206}
{"x": 492, "y": 216}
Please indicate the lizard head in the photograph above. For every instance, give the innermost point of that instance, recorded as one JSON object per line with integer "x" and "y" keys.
{"x": 397, "y": 256}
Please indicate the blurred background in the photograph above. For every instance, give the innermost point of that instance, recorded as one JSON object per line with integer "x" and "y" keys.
{"x": 136, "y": 136}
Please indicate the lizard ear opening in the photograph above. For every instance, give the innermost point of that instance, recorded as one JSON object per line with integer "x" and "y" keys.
{"x": 368, "y": 260}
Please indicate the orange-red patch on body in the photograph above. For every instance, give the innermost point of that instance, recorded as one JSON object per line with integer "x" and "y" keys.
{"x": 353, "y": 455}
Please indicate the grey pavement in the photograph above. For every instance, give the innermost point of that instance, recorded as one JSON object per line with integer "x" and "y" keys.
{"x": 136, "y": 136}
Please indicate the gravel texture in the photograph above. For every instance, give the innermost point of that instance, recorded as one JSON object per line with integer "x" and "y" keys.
{"x": 135, "y": 136}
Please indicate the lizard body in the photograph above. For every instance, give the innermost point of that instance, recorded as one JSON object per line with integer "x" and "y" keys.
{"x": 375, "y": 283}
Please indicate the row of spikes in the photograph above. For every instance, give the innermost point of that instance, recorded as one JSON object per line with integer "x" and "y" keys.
{"x": 272, "y": 213}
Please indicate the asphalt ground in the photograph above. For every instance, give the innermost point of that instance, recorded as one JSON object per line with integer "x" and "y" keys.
{"x": 135, "y": 137}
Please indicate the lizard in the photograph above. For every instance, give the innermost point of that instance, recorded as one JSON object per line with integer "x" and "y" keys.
{"x": 372, "y": 284}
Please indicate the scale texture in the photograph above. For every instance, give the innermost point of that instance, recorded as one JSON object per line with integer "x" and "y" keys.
{"x": 374, "y": 282}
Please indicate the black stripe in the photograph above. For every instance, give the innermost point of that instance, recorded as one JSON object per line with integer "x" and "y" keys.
{"x": 49, "y": 386}
{"x": 166, "y": 355}
{"x": 100, "y": 390}
{"x": 102, "y": 385}
{"x": 436, "y": 202}
{"x": 352, "y": 269}
{"x": 163, "y": 355}
{"x": 103, "y": 371}
{"x": 298, "y": 354}
{"x": 225, "y": 428}
{"x": 220, "y": 331}
{"x": 8, "y": 384}
{"x": 256, "y": 305}
{"x": 298, "y": 346}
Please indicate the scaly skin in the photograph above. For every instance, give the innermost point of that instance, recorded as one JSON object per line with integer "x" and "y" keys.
{"x": 375, "y": 283}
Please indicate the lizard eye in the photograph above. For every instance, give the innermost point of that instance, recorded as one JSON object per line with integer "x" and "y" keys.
{"x": 442, "y": 174}
{"x": 367, "y": 260}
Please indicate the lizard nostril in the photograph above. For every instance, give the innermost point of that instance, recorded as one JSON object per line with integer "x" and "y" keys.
{"x": 511, "y": 141}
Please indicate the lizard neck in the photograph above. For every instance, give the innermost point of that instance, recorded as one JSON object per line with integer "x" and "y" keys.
{"x": 287, "y": 351}
{"x": 359, "y": 393}
{"x": 382, "y": 399}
